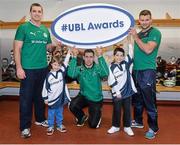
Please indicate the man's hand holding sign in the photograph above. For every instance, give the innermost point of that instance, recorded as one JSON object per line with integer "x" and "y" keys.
{"x": 92, "y": 26}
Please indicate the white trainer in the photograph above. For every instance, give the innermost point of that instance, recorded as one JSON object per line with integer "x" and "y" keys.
{"x": 26, "y": 133}
{"x": 113, "y": 129}
{"x": 43, "y": 123}
{"x": 129, "y": 131}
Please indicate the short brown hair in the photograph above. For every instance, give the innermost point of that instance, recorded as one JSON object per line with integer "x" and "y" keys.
{"x": 145, "y": 12}
{"x": 37, "y": 5}
{"x": 119, "y": 49}
{"x": 56, "y": 58}
{"x": 88, "y": 51}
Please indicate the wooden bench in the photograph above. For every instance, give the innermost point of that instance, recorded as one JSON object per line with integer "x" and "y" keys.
{"x": 163, "y": 93}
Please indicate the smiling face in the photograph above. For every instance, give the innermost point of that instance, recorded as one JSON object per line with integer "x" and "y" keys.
{"x": 36, "y": 13}
{"x": 55, "y": 66}
{"x": 88, "y": 59}
{"x": 118, "y": 57}
{"x": 118, "y": 54}
{"x": 145, "y": 21}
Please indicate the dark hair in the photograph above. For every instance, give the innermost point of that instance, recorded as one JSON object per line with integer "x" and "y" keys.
{"x": 36, "y": 4}
{"x": 6, "y": 59}
{"x": 119, "y": 49}
{"x": 88, "y": 51}
{"x": 58, "y": 52}
{"x": 56, "y": 58}
{"x": 145, "y": 13}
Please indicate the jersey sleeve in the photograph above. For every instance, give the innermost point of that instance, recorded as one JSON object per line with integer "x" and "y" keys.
{"x": 73, "y": 70}
{"x": 155, "y": 36}
{"x": 112, "y": 82}
{"x": 103, "y": 67}
{"x": 20, "y": 33}
{"x": 49, "y": 38}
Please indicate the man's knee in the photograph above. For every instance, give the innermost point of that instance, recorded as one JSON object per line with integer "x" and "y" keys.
{"x": 94, "y": 121}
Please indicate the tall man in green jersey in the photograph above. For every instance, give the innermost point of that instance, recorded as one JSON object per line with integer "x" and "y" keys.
{"x": 146, "y": 47}
{"x": 31, "y": 42}
{"x": 89, "y": 76}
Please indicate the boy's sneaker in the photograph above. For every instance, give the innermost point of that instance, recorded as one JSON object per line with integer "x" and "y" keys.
{"x": 150, "y": 134}
{"x": 26, "y": 133}
{"x": 129, "y": 131}
{"x": 43, "y": 123}
{"x": 113, "y": 129}
{"x": 82, "y": 121}
{"x": 136, "y": 125}
{"x": 61, "y": 128}
{"x": 50, "y": 130}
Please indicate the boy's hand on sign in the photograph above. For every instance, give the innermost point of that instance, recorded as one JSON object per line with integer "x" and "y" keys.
{"x": 98, "y": 51}
{"x": 75, "y": 51}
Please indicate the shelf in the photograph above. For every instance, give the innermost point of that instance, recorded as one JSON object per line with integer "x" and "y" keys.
{"x": 72, "y": 86}
{"x": 156, "y": 22}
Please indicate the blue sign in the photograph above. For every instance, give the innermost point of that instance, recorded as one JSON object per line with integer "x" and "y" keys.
{"x": 92, "y": 25}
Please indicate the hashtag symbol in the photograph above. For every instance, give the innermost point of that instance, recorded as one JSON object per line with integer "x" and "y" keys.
{"x": 64, "y": 27}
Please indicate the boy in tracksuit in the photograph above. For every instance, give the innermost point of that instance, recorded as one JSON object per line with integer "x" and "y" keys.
{"x": 122, "y": 88}
{"x": 55, "y": 92}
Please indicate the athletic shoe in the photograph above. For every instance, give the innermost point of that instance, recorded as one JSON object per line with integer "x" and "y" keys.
{"x": 50, "y": 130}
{"x": 150, "y": 134}
{"x": 113, "y": 129}
{"x": 129, "y": 131}
{"x": 26, "y": 133}
{"x": 82, "y": 121}
{"x": 43, "y": 123}
{"x": 61, "y": 128}
{"x": 136, "y": 125}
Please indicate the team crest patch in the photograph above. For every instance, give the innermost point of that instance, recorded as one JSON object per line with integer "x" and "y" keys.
{"x": 45, "y": 35}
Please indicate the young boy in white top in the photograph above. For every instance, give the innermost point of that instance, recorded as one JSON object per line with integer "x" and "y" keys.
{"x": 55, "y": 92}
{"x": 122, "y": 88}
